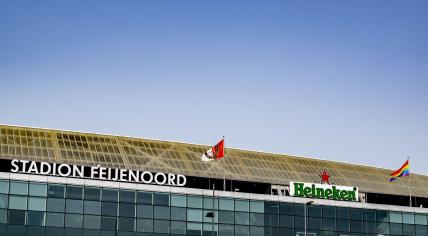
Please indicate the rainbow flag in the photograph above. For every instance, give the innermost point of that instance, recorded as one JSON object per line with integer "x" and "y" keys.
{"x": 403, "y": 171}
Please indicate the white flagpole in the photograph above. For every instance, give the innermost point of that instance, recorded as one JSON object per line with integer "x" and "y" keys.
{"x": 410, "y": 187}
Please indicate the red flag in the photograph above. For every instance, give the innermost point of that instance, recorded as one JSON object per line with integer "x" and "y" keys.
{"x": 214, "y": 153}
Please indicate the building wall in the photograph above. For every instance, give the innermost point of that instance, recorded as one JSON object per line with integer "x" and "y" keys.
{"x": 34, "y": 205}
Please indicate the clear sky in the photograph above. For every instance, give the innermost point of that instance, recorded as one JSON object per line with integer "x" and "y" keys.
{"x": 338, "y": 80}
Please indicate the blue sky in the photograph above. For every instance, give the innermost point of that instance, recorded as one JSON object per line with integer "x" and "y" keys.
{"x": 338, "y": 80}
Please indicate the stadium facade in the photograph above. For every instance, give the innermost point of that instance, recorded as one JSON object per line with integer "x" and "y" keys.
{"x": 61, "y": 183}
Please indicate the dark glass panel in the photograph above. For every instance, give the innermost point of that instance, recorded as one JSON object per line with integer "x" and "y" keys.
{"x": 36, "y": 218}
{"x": 161, "y": 226}
{"x": 178, "y": 213}
{"x": 370, "y": 227}
{"x": 342, "y": 225}
{"x": 161, "y": 199}
{"x": 144, "y": 225}
{"x": 74, "y": 192}
{"x": 56, "y": 205}
{"x": 144, "y": 211}
{"x": 357, "y": 226}
{"x": 286, "y": 221}
{"x": 271, "y": 220}
{"x": 73, "y": 221}
{"x": 145, "y": 198}
{"x": 72, "y": 232}
{"x": 16, "y": 230}
{"x": 329, "y": 212}
{"x": 127, "y": 209}
{"x": 382, "y": 216}
{"x": 92, "y": 194}
{"x": 108, "y": 223}
{"x": 91, "y": 232}
{"x": 370, "y": 215}
{"x": 35, "y": 231}
{"x": 110, "y": 195}
{"x": 286, "y": 232}
{"x": 257, "y": 219}
{"x": 3, "y": 200}
{"x": 408, "y": 230}
{"x": 395, "y": 229}
{"x": 226, "y": 230}
{"x": 299, "y": 222}
{"x": 226, "y": 217}
{"x": 178, "y": 227}
{"x": 3, "y": 216}
{"x": 299, "y": 209}
{"x": 16, "y": 217}
{"x": 242, "y": 218}
{"x": 127, "y": 196}
{"x": 55, "y": 219}
{"x": 315, "y": 210}
{"x": 92, "y": 207}
{"x": 356, "y": 214}
{"x": 314, "y": 223}
{"x": 91, "y": 222}
{"x": 272, "y": 207}
{"x": 74, "y": 206}
{"x": 421, "y": 230}
{"x": 56, "y": 191}
{"x": 286, "y": 208}
{"x": 161, "y": 213}
{"x": 109, "y": 208}
{"x": 329, "y": 224}
{"x": 382, "y": 228}
{"x": 126, "y": 224}
{"x": 342, "y": 213}
{"x": 54, "y": 231}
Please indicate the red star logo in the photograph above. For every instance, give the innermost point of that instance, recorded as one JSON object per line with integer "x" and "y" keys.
{"x": 324, "y": 177}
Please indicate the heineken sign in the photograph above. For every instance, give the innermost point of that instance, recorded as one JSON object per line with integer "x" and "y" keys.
{"x": 324, "y": 191}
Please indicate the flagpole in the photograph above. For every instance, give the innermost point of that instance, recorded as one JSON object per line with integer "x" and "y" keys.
{"x": 224, "y": 173}
{"x": 410, "y": 187}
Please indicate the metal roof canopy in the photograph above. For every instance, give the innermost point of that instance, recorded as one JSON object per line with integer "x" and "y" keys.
{"x": 173, "y": 157}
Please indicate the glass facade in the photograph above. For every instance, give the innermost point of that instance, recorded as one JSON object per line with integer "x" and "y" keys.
{"x": 38, "y": 209}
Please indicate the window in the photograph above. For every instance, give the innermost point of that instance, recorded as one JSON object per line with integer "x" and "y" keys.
{"x": 74, "y": 192}
{"x": 408, "y": 218}
{"x": 4, "y": 186}
{"x": 355, "y": 214}
{"x": 110, "y": 195}
{"x": 17, "y": 202}
{"x": 226, "y": 230}
{"x": 161, "y": 199}
{"x": 356, "y": 226}
{"x": 18, "y": 188}
{"x": 3, "y": 200}
{"x": 56, "y": 191}
{"x": 126, "y": 209}
{"x": 382, "y": 216}
{"x": 227, "y": 204}
{"x": 161, "y": 213}
{"x": 16, "y": 217}
{"x": 56, "y": 205}
{"x": 241, "y": 230}
{"x": 194, "y": 215}
{"x": 3, "y": 216}
{"x": 329, "y": 212}
{"x": 286, "y": 221}
{"x": 127, "y": 196}
{"x": 92, "y": 194}
{"x": 92, "y": 207}
{"x": 39, "y": 190}
{"x": 178, "y": 213}
{"x": 126, "y": 224}
{"x": 329, "y": 224}
{"x": 144, "y": 211}
{"x": 178, "y": 227}
{"x": 242, "y": 218}
{"x": 272, "y": 207}
{"x": 73, "y": 221}
{"x": 145, "y": 198}
{"x": 55, "y": 219}
{"x": 91, "y": 222}
{"x": 257, "y": 206}
{"x": 242, "y": 205}
{"x": 161, "y": 226}
{"x": 144, "y": 225}
{"x": 109, "y": 208}
{"x": 420, "y": 219}
{"x": 342, "y": 213}
{"x": 395, "y": 229}
{"x": 256, "y": 231}
{"x": 74, "y": 206}
{"x": 286, "y": 208}
{"x": 36, "y": 204}
{"x": 342, "y": 225}
{"x": 395, "y": 217}
{"x": 257, "y": 219}
{"x": 194, "y": 202}
{"x": 315, "y": 210}
{"x": 226, "y": 217}
{"x": 108, "y": 223}
{"x": 178, "y": 200}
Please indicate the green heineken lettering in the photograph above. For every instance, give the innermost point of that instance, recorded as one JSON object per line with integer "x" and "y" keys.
{"x": 325, "y": 192}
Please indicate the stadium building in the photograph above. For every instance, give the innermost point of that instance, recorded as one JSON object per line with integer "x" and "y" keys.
{"x": 61, "y": 183}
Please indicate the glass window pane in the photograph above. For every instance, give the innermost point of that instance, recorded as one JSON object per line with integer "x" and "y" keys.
{"x": 91, "y": 222}
{"x": 178, "y": 227}
{"x": 395, "y": 229}
{"x": 194, "y": 215}
{"x": 342, "y": 225}
{"x": 127, "y": 209}
{"x": 161, "y": 212}
{"x": 92, "y": 207}
{"x": 256, "y": 231}
{"x": 161, "y": 199}
{"x": 144, "y": 211}
{"x": 40, "y": 190}
{"x": 314, "y": 210}
{"x": 194, "y": 201}
{"x": 408, "y": 229}
{"x": 18, "y": 202}
{"x": 224, "y": 217}
{"x": 242, "y": 218}
{"x": 126, "y": 224}
{"x": 55, "y": 219}
{"x": 15, "y": 230}
{"x": 408, "y": 218}
{"x": 329, "y": 212}
{"x": 420, "y": 219}
{"x": 3, "y": 200}
{"x": 127, "y": 196}
{"x": 92, "y": 194}
{"x": 395, "y": 217}
{"x": 271, "y": 207}
{"x": 194, "y": 228}
{"x": 56, "y": 191}
{"x": 370, "y": 215}
{"x": 178, "y": 213}
{"x": 108, "y": 223}
{"x": 257, "y": 206}
{"x": 145, "y": 198}
{"x": 18, "y": 188}
{"x": 110, "y": 195}
{"x": 356, "y": 214}
{"x": 3, "y": 216}
{"x": 382, "y": 216}
{"x": 144, "y": 225}
{"x": 257, "y": 219}
{"x": 342, "y": 213}
{"x": 227, "y": 204}
{"x": 56, "y": 205}
{"x": 178, "y": 200}
{"x": 329, "y": 224}
{"x": 242, "y": 205}
{"x": 109, "y": 208}
{"x": 73, "y": 221}
{"x": 356, "y": 226}
{"x": 161, "y": 226}
{"x": 208, "y": 203}
{"x": 36, "y": 204}
{"x": 74, "y": 206}
{"x": 16, "y": 217}
{"x": 286, "y": 208}
{"x": 286, "y": 221}
{"x": 74, "y": 192}
{"x": 4, "y": 186}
